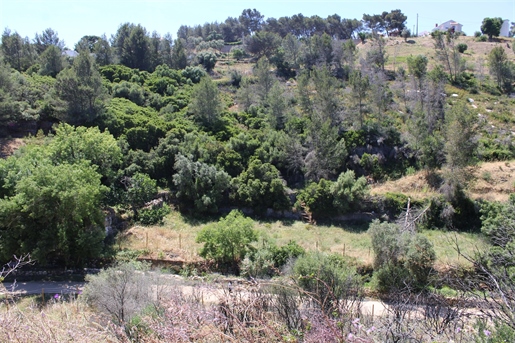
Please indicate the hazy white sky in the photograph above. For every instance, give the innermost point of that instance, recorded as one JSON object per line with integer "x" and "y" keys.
{"x": 73, "y": 19}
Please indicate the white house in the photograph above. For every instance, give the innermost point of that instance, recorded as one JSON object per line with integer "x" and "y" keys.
{"x": 505, "y": 28}
{"x": 449, "y": 25}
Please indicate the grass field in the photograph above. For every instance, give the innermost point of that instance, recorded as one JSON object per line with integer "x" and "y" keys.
{"x": 176, "y": 240}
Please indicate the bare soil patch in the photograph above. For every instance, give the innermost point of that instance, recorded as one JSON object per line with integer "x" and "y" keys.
{"x": 9, "y": 145}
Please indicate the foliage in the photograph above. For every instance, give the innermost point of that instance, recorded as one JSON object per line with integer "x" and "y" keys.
{"x": 491, "y": 27}
{"x": 141, "y": 126}
{"x": 81, "y": 90}
{"x": 200, "y": 187}
{"x": 268, "y": 260}
{"x": 261, "y": 187}
{"x": 51, "y": 211}
{"x": 461, "y": 137}
{"x": 140, "y": 189}
{"x": 348, "y": 191}
{"x": 262, "y": 44}
{"x": 329, "y": 279}
{"x": 207, "y": 59}
{"x": 501, "y": 68}
{"x": 206, "y": 103}
{"x": 74, "y": 144}
{"x": 462, "y": 47}
{"x": 403, "y": 259}
{"x": 229, "y": 240}
{"x": 153, "y": 215}
{"x": 195, "y": 74}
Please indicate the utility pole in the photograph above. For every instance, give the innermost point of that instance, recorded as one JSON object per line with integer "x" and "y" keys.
{"x": 417, "y": 25}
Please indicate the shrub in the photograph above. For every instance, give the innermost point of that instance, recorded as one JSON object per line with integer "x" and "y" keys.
{"x": 207, "y": 59}
{"x": 267, "y": 260}
{"x": 153, "y": 215}
{"x": 228, "y": 241}
{"x": 482, "y": 38}
{"x": 329, "y": 279}
{"x": 238, "y": 54}
{"x": 195, "y": 74}
{"x": 477, "y": 34}
{"x": 348, "y": 192}
{"x": 462, "y": 47}
{"x": 121, "y": 291}
{"x": 402, "y": 258}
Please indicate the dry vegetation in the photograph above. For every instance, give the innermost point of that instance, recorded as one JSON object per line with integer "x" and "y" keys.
{"x": 493, "y": 181}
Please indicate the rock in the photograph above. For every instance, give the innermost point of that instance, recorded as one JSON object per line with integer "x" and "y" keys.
{"x": 470, "y": 100}
{"x": 454, "y": 95}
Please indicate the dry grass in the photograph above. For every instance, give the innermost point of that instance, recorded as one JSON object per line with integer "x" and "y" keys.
{"x": 398, "y": 50}
{"x": 493, "y": 181}
{"x": 56, "y": 322}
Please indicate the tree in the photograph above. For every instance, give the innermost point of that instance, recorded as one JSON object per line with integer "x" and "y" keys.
{"x": 403, "y": 259}
{"x": 103, "y": 51}
{"x": 251, "y": 21}
{"x": 262, "y": 43}
{"x": 348, "y": 192}
{"x": 360, "y": 87}
{"x": 81, "y": 90}
{"x": 265, "y": 79}
{"x": 200, "y": 187}
{"x": 417, "y": 67}
{"x": 47, "y": 38}
{"x": 395, "y": 21}
{"x": 228, "y": 241}
{"x": 132, "y": 46}
{"x": 501, "y": 68}
{"x": 461, "y": 139}
{"x": 18, "y": 52}
{"x": 51, "y": 212}
{"x": 179, "y": 58}
{"x": 448, "y": 54}
{"x": 375, "y": 22}
{"x": 261, "y": 187}
{"x": 292, "y": 50}
{"x": 206, "y": 104}
{"x": 327, "y": 152}
{"x": 376, "y": 57}
{"x": 207, "y": 59}
{"x": 87, "y": 43}
{"x": 74, "y": 144}
{"x": 51, "y": 61}
{"x": 140, "y": 189}
{"x": 491, "y": 27}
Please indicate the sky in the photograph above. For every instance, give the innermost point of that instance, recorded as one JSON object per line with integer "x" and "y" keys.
{"x": 73, "y": 19}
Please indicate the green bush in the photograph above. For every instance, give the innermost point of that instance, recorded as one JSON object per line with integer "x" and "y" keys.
{"x": 268, "y": 260}
{"x": 462, "y": 47}
{"x": 482, "y": 38}
{"x": 228, "y": 241}
{"x": 207, "y": 59}
{"x": 153, "y": 215}
{"x": 403, "y": 259}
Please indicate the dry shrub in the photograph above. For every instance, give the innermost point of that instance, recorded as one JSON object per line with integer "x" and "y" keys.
{"x": 57, "y": 322}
